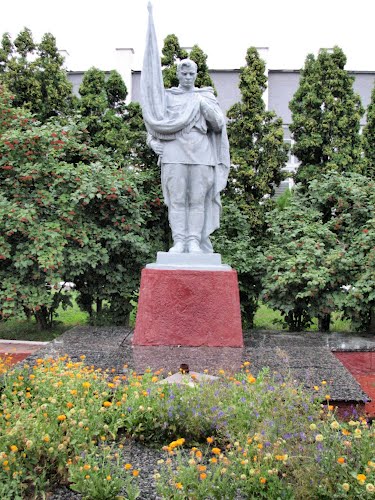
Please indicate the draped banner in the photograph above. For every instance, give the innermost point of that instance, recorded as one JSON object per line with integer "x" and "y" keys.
{"x": 152, "y": 88}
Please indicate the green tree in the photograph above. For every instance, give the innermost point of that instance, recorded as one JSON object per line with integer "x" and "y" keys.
{"x": 34, "y": 73}
{"x": 258, "y": 154}
{"x": 369, "y": 138}
{"x": 120, "y": 129}
{"x": 203, "y": 77}
{"x": 321, "y": 244}
{"x": 258, "y": 151}
{"x": 67, "y": 213}
{"x": 326, "y": 116}
{"x": 172, "y": 53}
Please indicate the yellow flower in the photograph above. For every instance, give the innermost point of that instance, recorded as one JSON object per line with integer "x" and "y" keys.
{"x": 319, "y": 438}
{"x": 108, "y": 478}
{"x": 328, "y": 397}
{"x": 361, "y": 478}
{"x": 85, "y": 385}
{"x": 213, "y": 460}
{"x": 179, "y": 486}
{"x": 128, "y": 466}
{"x": 87, "y": 477}
{"x": 154, "y": 379}
{"x": 251, "y": 379}
{"x": 316, "y": 387}
{"x": 14, "y": 448}
{"x": 61, "y": 418}
{"x": 335, "y": 425}
{"x": 345, "y": 486}
{"x": 313, "y": 427}
{"x": 46, "y": 438}
{"x": 210, "y": 440}
{"x": 216, "y": 451}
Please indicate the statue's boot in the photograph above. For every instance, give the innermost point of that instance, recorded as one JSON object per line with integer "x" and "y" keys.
{"x": 177, "y": 221}
{"x": 195, "y": 227}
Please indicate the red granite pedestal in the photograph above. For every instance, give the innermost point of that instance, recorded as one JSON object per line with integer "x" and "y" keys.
{"x": 188, "y": 308}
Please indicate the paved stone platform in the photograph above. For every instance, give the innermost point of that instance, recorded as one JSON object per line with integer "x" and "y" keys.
{"x": 306, "y": 356}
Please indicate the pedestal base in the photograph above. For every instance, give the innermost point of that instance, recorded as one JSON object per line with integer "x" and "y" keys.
{"x": 189, "y": 308}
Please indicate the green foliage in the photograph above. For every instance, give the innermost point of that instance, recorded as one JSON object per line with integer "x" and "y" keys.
{"x": 258, "y": 152}
{"x": 241, "y": 249}
{"x": 67, "y": 213}
{"x": 321, "y": 242}
{"x": 34, "y": 73}
{"x": 369, "y": 138}
{"x": 172, "y": 53}
{"x": 261, "y": 437}
{"x": 326, "y": 116}
{"x": 203, "y": 77}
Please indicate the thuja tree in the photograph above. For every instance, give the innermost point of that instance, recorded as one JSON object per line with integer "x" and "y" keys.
{"x": 203, "y": 76}
{"x": 369, "y": 138}
{"x": 258, "y": 151}
{"x": 258, "y": 154}
{"x": 35, "y": 75}
{"x": 173, "y": 53}
{"x": 120, "y": 129}
{"x": 321, "y": 252}
{"x": 326, "y": 116}
{"x": 67, "y": 212}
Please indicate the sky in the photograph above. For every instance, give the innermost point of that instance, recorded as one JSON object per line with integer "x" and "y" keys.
{"x": 90, "y": 31}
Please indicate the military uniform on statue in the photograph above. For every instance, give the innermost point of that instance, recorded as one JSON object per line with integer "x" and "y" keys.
{"x": 188, "y": 297}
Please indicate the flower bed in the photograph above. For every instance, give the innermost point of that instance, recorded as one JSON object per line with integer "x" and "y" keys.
{"x": 238, "y": 436}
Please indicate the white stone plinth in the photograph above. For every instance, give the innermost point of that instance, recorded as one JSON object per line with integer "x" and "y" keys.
{"x": 190, "y": 261}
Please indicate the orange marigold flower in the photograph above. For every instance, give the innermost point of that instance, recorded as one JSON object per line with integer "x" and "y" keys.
{"x": 108, "y": 478}
{"x": 107, "y": 404}
{"x": 216, "y": 451}
{"x": 128, "y": 466}
{"x": 61, "y": 418}
{"x": 341, "y": 460}
{"x": 135, "y": 473}
{"x": 198, "y": 453}
{"x": 210, "y": 440}
{"x": 69, "y": 404}
{"x": 14, "y": 448}
{"x": 202, "y": 468}
{"x": 251, "y": 379}
{"x": 203, "y": 475}
{"x": 361, "y": 478}
{"x": 213, "y": 460}
{"x": 263, "y": 480}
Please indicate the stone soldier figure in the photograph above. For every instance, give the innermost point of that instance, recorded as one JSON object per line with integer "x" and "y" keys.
{"x": 186, "y": 128}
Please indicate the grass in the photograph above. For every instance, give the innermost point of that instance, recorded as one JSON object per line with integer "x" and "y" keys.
{"x": 268, "y": 319}
{"x": 21, "y": 329}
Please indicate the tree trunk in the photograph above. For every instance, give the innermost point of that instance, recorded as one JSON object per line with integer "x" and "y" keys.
{"x": 42, "y": 317}
{"x": 371, "y": 327}
{"x": 324, "y": 323}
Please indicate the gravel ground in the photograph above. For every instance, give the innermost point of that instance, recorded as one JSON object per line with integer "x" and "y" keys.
{"x": 142, "y": 458}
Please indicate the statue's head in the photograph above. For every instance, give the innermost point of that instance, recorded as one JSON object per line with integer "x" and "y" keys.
{"x": 187, "y": 73}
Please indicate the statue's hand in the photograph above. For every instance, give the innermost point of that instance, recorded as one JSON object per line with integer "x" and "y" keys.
{"x": 157, "y": 147}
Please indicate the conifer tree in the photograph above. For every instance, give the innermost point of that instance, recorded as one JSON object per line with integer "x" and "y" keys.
{"x": 369, "y": 138}
{"x": 172, "y": 53}
{"x": 326, "y": 116}
{"x": 203, "y": 77}
{"x": 35, "y": 74}
{"x": 258, "y": 151}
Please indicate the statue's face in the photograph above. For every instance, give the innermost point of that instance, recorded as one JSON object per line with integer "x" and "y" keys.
{"x": 186, "y": 77}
